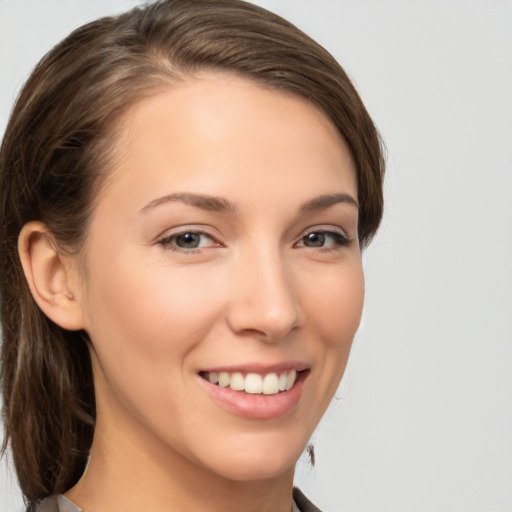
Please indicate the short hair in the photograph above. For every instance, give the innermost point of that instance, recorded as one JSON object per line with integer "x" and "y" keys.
{"x": 56, "y": 152}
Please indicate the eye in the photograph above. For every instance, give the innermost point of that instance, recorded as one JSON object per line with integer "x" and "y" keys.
{"x": 323, "y": 239}
{"x": 188, "y": 241}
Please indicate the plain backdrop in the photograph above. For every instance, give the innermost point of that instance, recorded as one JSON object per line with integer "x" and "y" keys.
{"x": 423, "y": 419}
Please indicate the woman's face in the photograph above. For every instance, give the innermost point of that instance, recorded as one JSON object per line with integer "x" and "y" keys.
{"x": 224, "y": 247}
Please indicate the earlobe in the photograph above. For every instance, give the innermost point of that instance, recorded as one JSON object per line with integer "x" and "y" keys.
{"x": 51, "y": 275}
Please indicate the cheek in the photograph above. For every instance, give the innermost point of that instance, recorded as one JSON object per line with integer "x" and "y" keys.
{"x": 334, "y": 312}
{"x": 150, "y": 314}
{"x": 144, "y": 325}
{"x": 145, "y": 306}
{"x": 335, "y": 303}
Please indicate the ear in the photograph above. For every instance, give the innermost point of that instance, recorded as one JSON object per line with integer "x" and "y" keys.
{"x": 51, "y": 275}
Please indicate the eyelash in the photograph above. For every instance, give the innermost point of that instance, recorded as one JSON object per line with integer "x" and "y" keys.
{"x": 167, "y": 241}
{"x": 338, "y": 238}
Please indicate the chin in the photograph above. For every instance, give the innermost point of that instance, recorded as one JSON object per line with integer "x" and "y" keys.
{"x": 251, "y": 471}
{"x": 256, "y": 463}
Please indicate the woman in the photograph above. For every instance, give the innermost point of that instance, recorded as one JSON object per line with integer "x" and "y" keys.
{"x": 186, "y": 190}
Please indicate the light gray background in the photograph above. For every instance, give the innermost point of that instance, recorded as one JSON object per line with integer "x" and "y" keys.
{"x": 423, "y": 421}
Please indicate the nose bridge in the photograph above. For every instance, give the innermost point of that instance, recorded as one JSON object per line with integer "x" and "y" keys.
{"x": 264, "y": 299}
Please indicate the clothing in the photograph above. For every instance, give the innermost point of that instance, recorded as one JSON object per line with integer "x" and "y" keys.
{"x": 62, "y": 504}
{"x": 303, "y": 504}
{"x": 55, "y": 504}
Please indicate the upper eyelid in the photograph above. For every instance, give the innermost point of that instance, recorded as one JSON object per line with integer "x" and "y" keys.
{"x": 324, "y": 229}
{"x": 331, "y": 233}
{"x": 181, "y": 233}
{"x": 168, "y": 240}
{"x": 181, "y": 230}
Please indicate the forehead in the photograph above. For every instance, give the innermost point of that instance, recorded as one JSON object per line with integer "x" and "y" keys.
{"x": 218, "y": 128}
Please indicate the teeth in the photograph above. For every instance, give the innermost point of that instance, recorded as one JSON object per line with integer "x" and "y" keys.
{"x": 237, "y": 381}
{"x": 254, "y": 383}
{"x": 224, "y": 379}
{"x": 290, "y": 379}
{"x": 270, "y": 384}
{"x": 282, "y": 382}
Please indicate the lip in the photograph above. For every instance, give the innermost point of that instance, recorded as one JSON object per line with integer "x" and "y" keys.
{"x": 258, "y": 407}
{"x": 262, "y": 369}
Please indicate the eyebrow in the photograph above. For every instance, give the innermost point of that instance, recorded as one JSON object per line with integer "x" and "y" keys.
{"x": 325, "y": 201}
{"x": 205, "y": 202}
{"x": 219, "y": 204}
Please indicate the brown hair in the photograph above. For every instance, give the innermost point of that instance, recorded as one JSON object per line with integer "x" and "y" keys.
{"x": 56, "y": 150}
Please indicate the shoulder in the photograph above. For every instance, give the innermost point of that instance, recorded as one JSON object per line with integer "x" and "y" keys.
{"x": 47, "y": 505}
{"x": 302, "y": 502}
{"x": 54, "y": 504}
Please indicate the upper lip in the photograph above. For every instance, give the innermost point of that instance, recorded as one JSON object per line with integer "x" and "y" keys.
{"x": 260, "y": 368}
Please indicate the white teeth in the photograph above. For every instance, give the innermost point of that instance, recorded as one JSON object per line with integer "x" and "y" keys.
{"x": 290, "y": 380}
{"x": 282, "y": 382}
{"x": 254, "y": 383}
{"x": 224, "y": 379}
{"x": 237, "y": 381}
{"x": 270, "y": 384}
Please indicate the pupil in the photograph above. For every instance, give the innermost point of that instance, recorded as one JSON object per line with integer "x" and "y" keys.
{"x": 315, "y": 240}
{"x": 188, "y": 240}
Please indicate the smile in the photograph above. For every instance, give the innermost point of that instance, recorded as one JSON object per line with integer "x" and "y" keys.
{"x": 253, "y": 383}
{"x": 256, "y": 393}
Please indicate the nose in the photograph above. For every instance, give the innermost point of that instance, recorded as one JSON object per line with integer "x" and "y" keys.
{"x": 263, "y": 299}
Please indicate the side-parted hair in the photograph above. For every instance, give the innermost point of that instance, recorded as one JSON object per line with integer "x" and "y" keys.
{"x": 57, "y": 150}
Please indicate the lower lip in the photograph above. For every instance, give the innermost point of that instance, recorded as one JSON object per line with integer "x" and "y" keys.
{"x": 257, "y": 406}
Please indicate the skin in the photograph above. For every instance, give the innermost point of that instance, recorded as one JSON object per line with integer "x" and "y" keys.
{"x": 254, "y": 293}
